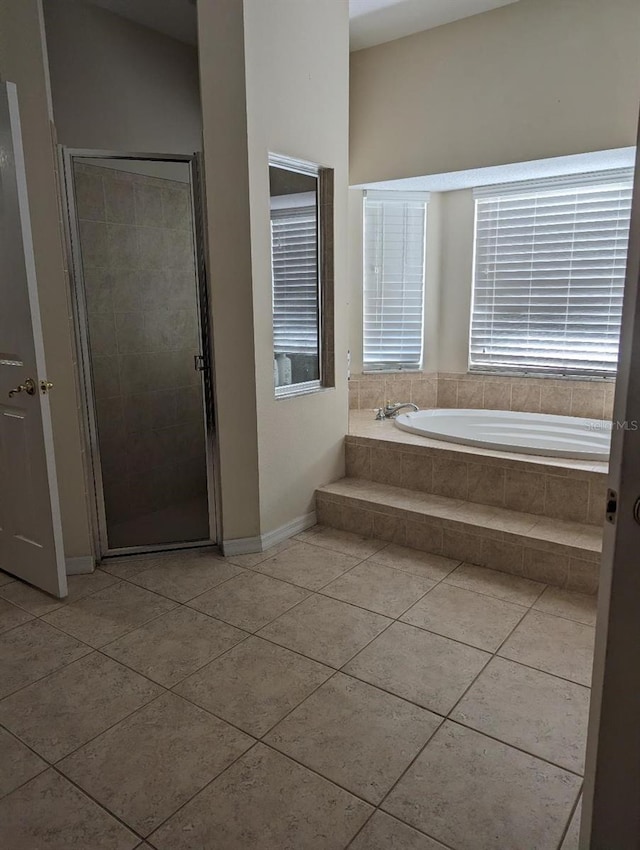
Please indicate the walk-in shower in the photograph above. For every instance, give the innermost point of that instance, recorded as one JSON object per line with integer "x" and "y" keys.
{"x": 141, "y": 313}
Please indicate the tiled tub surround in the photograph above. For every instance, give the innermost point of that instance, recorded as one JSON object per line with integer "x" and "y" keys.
{"x": 137, "y": 253}
{"x": 539, "y": 518}
{"x": 558, "y": 488}
{"x": 565, "y": 397}
{"x": 335, "y": 692}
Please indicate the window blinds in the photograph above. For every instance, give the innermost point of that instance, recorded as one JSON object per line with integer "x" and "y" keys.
{"x": 394, "y": 266}
{"x": 550, "y": 260}
{"x": 294, "y": 245}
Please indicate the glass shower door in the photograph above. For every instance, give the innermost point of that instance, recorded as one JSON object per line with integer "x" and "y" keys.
{"x": 144, "y": 350}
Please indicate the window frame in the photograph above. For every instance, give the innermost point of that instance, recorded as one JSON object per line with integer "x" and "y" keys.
{"x": 541, "y": 187}
{"x": 395, "y": 196}
{"x": 325, "y": 274}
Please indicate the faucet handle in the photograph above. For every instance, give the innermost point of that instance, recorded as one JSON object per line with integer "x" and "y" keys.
{"x": 380, "y": 413}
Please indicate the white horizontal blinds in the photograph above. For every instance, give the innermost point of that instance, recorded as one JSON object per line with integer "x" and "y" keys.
{"x": 294, "y": 245}
{"x": 394, "y": 264}
{"x": 550, "y": 260}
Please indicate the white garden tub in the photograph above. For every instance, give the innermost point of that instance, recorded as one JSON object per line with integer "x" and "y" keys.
{"x": 508, "y": 431}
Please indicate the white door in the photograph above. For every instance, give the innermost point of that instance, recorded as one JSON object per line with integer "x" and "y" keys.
{"x": 30, "y": 527}
{"x": 611, "y": 807}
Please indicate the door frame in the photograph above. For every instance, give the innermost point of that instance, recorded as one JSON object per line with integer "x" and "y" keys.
{"x": 66, "y": 157}
{"x": 611, "y": 796}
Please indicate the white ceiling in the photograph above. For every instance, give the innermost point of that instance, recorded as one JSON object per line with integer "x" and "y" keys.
{"x": 377, "y": 21}
{"x": 555, "y": 167}
{"x": 372, "y": 21}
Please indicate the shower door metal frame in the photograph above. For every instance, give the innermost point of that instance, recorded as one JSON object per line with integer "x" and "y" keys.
{"x": 66, "y": 157}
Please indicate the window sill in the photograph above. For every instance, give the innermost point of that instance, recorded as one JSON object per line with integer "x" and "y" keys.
{"x": 416, "y": 371}
{"x": 295, "y": 390}
{"x": 555, "y": 376}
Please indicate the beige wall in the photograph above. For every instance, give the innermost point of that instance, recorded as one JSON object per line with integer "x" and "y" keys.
{"x": 455, "y": 280}
{"x": 535, "y": 79}
{"x": 22, "y": 62}
{"x": 221, "y": 50}
{"x": 120, "y": 86}
{"x": 286, "y": 67}
{"x": 297, "y": 55}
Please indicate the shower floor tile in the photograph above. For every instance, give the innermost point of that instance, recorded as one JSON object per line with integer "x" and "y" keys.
{"x": 453, "y": 698}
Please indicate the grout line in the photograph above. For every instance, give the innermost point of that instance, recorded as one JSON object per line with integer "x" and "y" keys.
{"x": 57, "y": 761}
{"x": 512, "y": 746}
{"x": 573, "y": 811}
{"x": 100, "y": 805}
{"x": 204, "y": 787}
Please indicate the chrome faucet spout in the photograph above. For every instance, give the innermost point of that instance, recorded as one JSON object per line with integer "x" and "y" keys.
{"x": 392, "y": 410}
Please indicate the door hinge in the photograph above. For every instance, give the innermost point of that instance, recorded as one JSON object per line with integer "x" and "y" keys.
{"x": 199, "y": 363}
{"x": 612, "y": 506}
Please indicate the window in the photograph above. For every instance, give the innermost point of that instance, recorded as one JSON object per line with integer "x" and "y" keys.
{"x": 295, "y": 275}
{"x": 394, "y": 271}
{"x": 301, "y": 275}
{"x": 550, "y": 260}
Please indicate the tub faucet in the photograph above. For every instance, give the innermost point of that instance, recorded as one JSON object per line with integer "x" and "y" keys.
{"x": 390, "y": 411}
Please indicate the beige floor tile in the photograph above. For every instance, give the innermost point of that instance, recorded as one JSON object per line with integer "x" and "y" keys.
{"x": 355, "y": 735}
{"x": 307, "y": 566}
{"x": 464, "y": 615}
{"x": 553, "y": 644}
{"x": 255, "y": 684}
{"x": 474, "y": 793}
{"x": 430, "y": 670}
{"x": 265, "y": 802}
{"x": 521, "y": 591}
{"x": 412, "y": 561}
{"x": 531, "y": 710}
{"x": 104, "y": 616}
{"x": 383, "y": 832}
{"x": 573, "y": 833}
{"x": 256, "y": 558}
{"x": 379, "y": 588}
{"x": 11, "y": 616}
{"x": 150, "y": 764}
{"x": 174, "y": 645}
{"x": 5, "y": 578}
{"x": 250, "y": 600}
{"x": 66, "y": 709}
{"x": 564, "y": 603}
{"x": 127, "y": 567}
{"x": 38, "y": 602}
{"x": 183, "y": 579}
{"x": 343, "y": 541}
{"x": 49, "y": 813}
{"x": 17, "y": 763}
{"x": 326, "y": 630}
{"x": 31, "y": 651}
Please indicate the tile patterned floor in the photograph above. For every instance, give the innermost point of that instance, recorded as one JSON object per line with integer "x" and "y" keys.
{"x": 336, "y": 692}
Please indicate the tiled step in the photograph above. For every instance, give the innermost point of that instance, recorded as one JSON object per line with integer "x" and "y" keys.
{"x": 558, "y": 488}
{"x": 558, "y": 552}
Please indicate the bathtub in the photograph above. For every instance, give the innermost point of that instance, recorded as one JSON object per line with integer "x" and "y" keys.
{"x": 509, "y": 431}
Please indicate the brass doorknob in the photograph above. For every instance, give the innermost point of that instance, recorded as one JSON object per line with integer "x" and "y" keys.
{"x": 29, "y": 387}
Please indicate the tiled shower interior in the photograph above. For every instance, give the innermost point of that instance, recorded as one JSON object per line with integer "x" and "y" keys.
{"x": 137, "y": 247}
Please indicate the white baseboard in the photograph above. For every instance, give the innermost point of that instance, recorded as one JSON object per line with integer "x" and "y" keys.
{"x": 80, "y": 565}
{"x": 301, "y": 523}
{"x": 242, "y": 546}
{"x": 251, "y": 545}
